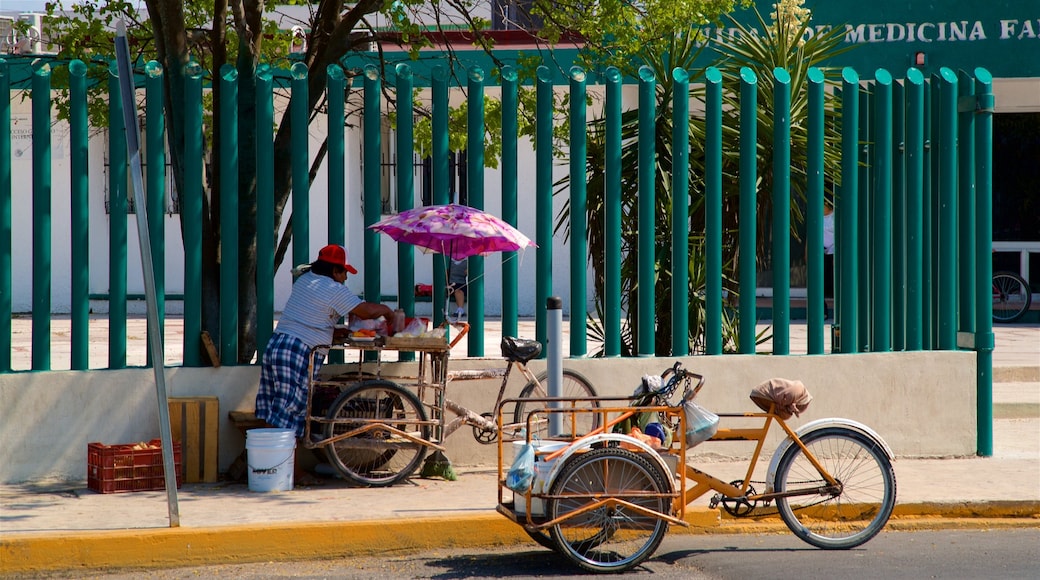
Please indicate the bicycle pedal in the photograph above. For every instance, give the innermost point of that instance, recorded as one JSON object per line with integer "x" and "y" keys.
{"x": 715, "y": 500}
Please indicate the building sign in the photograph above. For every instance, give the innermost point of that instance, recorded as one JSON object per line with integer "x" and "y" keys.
{"x": 1002, "y": 36}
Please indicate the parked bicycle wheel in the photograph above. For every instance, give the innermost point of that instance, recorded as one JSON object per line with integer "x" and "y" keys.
{"x": 863, "y": 502}
{"x": 612, "y": 537}
{"x": 376, "y": 455}
{"x": 575, "y": 386}
{"x": 1011, "y": 297}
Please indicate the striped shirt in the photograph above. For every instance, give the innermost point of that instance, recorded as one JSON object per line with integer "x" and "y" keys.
{"x": 314, "y": 307}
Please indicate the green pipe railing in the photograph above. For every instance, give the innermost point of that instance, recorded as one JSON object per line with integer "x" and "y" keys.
{"x": 578, "y": 211}
{"x": 543, "y": 198}
{"x": 475, "y": 183}
{"x": 117, "y": 229}
{"x": 915, "y": 268}
{"x": 441, "y": 194}
{"x": 712, "y": 213}
{"x": 612, "y": 215}
{"x": 882, "y": 214}
{"x": 265, "y": 234}
{"x": 79, "y": 157}
{"x": 748, "y": 207}
{"x": 814, "y": 213}
{"x": 510, "y": 268}
{"x": 299, "y": 116}
{"x": 191, "y": 215}
{"x": 947, "y": 223}
{"x": 155, "y": 156}
{"x": 846, "y": 258}
{"x": 335, "y": 91}
{"x": 405, "y": 198}
{"x": 41, "y": 235}
{"x": 983, "y": 227}
{"x": 887, "y": 135}
{"x": 681, "y": 206}
{"x": 647, "y": 218}
{"x": 229, "y": 214}
{"x": 781, "y": 261}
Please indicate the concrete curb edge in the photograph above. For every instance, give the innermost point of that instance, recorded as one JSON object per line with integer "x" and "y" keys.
{"x": 178, "y": 547}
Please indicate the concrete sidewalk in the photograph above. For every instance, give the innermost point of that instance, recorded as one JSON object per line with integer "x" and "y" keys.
{"x": 50, "y": 526}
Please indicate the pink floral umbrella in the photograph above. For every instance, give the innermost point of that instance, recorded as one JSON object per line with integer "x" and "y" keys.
{"x": 457, "y": 231}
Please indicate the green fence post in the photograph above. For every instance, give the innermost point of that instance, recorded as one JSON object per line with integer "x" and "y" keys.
{"x": 983, "y": 257}
{"x": 781, "y": 259}
{"x": 612, "y": 215}
{"x": 191, "y": 215}
{"x": 681, "y": 201}
{"x": 647, "y": 217}
{"x": 117, "y": 228}
{"x": 865, "y": 218}
{"x": 915, "y": 138}
{"x": 405, "y": 194}
{"x": 5, "y": 214}
{"x": 928, "y": 257}
{"x": 265, "y": 234}
{"x": 299, "y": 117}
{"x": 881, "y": 220}
{"x": 543, "y": 198}
{"x": 373, "y": 202}
{"x": 155, "y": 154}
{"x": 335, "y": 89}
{"x": 712, "y": 213}
{"x": 899, "y": 246}
{"x": 229, "y": 215}
{"x": 966, "y": 202}
{"x": 265, "y": 207}
{"x": 845, "y": 214}
{"x": 510, "y": 268}
{"x": 79, "y": 154}
{"x": 475, "y": 182}
{"x": 814, "y": 213}
{"x": 748, "y": 207}
{"x": 41, "y": 235}
{"x": 947, "y": 312}
{"x": 441, "y": 195}
{"x": 579, "y": 207}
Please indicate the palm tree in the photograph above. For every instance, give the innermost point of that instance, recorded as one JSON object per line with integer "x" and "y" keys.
{"x": 789, "y": 43}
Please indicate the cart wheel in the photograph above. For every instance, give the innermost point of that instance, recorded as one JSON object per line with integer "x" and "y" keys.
{"x": 575, "y": 386}
{"x": 611, "y": 537}
{"x": 378, "y": 456}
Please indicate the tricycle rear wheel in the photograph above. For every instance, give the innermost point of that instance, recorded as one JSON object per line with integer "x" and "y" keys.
{"x": 611, "y": 537}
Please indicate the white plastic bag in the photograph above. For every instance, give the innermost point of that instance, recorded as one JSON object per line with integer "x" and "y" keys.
{"x": 701, "y": 424}
{"x": 521, "y": 473}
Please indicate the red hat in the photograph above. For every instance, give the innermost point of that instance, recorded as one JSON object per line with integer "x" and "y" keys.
{"x": 337, "y": 256}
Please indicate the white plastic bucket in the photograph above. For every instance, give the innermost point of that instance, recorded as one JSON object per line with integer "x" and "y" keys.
{"x": 271, "y": 455}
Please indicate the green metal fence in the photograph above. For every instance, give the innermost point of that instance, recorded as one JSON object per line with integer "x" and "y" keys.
{"x": 913, "y": 210}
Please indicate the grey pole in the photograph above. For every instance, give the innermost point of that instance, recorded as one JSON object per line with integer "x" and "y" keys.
{"x": 126, "y": 80}
{"x": 554, "y": 358}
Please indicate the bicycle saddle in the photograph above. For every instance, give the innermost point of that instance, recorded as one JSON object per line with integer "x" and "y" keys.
{"x": 519, "y": 349}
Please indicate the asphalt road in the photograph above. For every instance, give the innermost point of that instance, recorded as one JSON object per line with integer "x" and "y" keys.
{"x": 1009, "y": 554}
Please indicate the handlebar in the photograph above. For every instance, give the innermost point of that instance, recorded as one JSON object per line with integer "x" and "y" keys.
{"x": 675, "y": 375}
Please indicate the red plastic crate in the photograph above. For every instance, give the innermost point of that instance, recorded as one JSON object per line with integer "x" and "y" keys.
{"x": 121, "y": 468}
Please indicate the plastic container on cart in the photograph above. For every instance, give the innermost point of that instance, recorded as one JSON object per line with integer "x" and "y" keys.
{"x": 542, "y": 468}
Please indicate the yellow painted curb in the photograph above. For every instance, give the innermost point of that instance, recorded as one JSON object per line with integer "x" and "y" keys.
{"x": 177, "y": 547}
